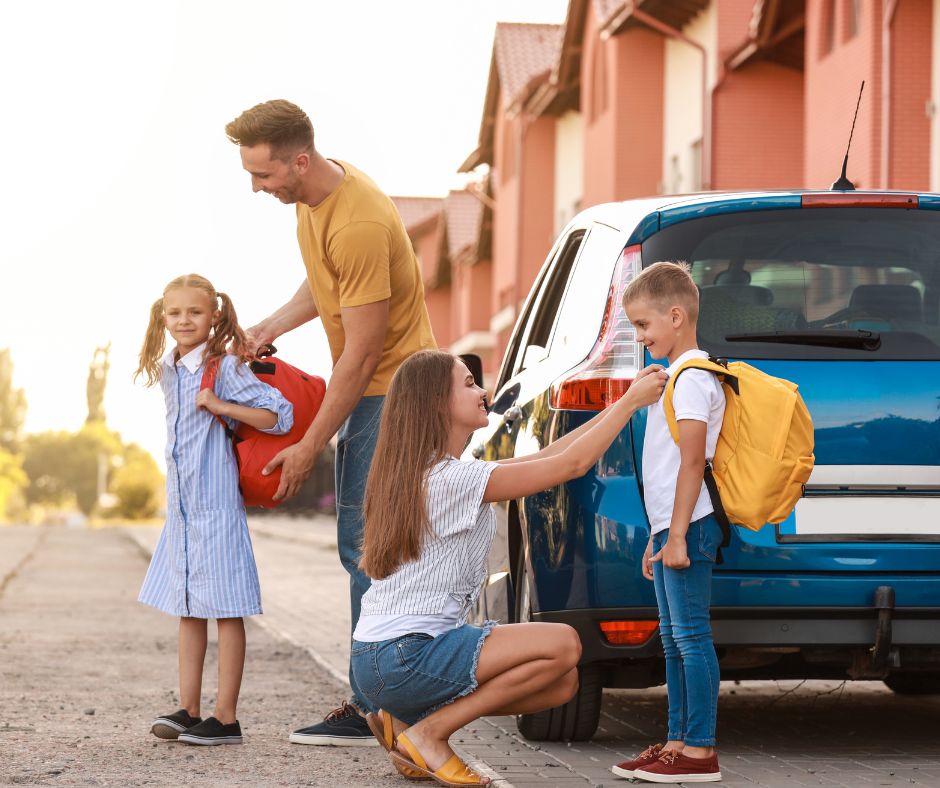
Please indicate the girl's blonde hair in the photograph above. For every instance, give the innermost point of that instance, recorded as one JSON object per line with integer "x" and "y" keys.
{"x": 413, "y": 437}
{"x": 226, "y": 335}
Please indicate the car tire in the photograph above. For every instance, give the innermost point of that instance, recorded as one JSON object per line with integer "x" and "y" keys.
{"x": 576, "y": 720}
{"x": 914, "y": 683}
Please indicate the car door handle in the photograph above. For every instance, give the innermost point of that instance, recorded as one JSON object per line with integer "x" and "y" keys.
{"x": 512, "y": 413}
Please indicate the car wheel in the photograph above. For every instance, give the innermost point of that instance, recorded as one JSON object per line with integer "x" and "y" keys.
{"x": 914, "y": 683}
{"x": 577, "y": 719}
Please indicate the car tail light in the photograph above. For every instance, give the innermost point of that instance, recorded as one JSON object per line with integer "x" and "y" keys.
{"x": 605, "y": 375}
{"x": 628, "y": 633}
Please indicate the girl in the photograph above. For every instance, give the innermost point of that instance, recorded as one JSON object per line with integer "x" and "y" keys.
{"x": 428, "y": 528}
{"x": 203, "y": 566}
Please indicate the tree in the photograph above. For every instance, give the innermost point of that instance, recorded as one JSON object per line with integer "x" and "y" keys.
{"x": 12, "y": 483}
{"x": 97, "y": 381}
{"x": 12, "y": 406}
{"x": 63, "y": 465}
{"x": 136, "y": 484}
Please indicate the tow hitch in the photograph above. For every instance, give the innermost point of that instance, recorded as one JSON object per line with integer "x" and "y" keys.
{"x": 881, "y": 656}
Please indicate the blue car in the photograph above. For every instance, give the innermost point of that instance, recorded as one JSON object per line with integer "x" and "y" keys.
{"x": 836, "y": 291}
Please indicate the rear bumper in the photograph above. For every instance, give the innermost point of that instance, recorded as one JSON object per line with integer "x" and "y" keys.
{"x": 769, "y": 627}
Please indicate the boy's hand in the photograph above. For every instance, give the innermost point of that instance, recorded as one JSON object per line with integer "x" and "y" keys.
{"x": 207, "y": 400}
{"x": 674, "y": 554}
{"x": 648, "y": 560}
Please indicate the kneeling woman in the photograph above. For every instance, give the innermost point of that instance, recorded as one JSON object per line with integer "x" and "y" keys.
{"x": 428, "y": 527}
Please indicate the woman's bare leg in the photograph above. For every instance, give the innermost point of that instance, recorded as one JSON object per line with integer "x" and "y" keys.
{"x": 192, "y": 657}
{"x": 231, "y": 666}
{"x": 546, "y": 699}
{"x": 522, "y": 668}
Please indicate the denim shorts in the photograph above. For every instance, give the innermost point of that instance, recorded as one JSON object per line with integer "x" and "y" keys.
{"x": 415, "y": 674}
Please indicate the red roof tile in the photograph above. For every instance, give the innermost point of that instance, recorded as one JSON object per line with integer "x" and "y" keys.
{"x": 604, "y": 9}
{"x": 415, "y": 211}
{"x": 463, "y": 212}
{"x": 523, "y": 52}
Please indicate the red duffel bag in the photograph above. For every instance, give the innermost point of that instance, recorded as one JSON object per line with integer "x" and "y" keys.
{"x": 253, "y": 448}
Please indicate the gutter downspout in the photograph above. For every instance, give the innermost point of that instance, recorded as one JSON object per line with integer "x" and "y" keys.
{"x": 662, "y": 27}
{"x": 886, "y": 21}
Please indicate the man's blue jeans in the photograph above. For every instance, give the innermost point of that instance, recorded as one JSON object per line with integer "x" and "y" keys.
{"x": 355, "y": 446}
{"x": 684, "y": 598}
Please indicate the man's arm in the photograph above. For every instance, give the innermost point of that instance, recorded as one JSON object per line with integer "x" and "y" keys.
{"x": 365, "y": 328}
{"x": 299, "y": 310}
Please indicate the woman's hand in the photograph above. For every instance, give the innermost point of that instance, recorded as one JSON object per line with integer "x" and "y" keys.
{"x": 646, "y": 371}
{"x": 647, "y": 387}
{"x": 207, "y": 400}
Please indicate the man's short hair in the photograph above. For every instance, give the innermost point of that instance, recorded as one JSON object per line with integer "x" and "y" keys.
{"x": 665, "y": 284}
{"x": 278, "y": 123}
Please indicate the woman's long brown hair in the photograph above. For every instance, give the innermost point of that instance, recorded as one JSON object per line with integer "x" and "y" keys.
{"x": 226, "y": 335}
{"x": 413, "y": 437}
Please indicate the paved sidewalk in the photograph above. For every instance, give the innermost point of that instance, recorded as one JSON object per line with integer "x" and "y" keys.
{"x": 772, "y": 734}
{"x": 84, "y": 668}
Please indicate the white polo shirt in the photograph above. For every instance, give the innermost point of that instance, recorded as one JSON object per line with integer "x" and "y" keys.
{"x": 698, "y": 396}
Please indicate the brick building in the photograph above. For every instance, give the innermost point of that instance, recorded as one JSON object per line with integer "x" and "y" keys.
{"x": 626, "y": 99}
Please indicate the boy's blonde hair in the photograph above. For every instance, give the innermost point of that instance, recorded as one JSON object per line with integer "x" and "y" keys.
{"x": 665, "y": 284}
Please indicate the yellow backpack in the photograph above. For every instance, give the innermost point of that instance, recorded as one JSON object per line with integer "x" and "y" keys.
{"x": 764, "y": 454}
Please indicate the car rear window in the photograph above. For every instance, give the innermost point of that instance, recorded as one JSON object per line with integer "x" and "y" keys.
{"x": 860, "y": 283}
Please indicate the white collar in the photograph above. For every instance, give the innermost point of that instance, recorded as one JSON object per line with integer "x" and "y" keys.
{"x": 689, "y": 354}
{"x": 192, "y": 360}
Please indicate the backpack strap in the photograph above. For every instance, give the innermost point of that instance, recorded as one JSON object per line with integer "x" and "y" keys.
{"x": 717, "y": 366}
{"x": 720, "y": 368}
{"x": 209, "y": 374}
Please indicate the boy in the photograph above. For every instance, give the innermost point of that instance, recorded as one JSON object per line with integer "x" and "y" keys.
{"x": 662, "y": 305}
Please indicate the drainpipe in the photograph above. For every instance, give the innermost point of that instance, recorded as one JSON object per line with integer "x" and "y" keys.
{"x": 662, "y": 27}
{"x": 887, "y": 18}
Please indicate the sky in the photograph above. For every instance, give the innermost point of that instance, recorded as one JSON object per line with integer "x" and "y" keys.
{"x": 118, "y": 176}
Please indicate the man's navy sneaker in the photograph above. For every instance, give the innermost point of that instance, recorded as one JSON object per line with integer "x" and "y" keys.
{"x": 211, "y": 731}
{"x": 342, "y": 727}
{"x": 170, "y": 726}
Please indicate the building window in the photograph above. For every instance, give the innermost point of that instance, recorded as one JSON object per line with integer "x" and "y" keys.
{"x": 828, "y": 27}
{"x": 853, "y": 15}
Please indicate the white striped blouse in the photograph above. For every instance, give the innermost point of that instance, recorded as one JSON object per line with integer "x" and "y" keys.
{"x": 452, "y": 564}
{"x": 203, "y": 565}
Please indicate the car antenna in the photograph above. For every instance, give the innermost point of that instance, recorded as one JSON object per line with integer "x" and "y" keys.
{"x": 844, "y": 184}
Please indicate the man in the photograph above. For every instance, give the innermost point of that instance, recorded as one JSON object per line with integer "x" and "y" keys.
{"x": 364, "y": 283}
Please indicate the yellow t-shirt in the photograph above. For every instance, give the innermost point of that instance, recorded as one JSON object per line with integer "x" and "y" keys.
{"x": 356, "y": 252}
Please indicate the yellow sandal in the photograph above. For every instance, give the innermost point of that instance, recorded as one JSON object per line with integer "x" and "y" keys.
{"x": 453, "y": 773}
{"x": 380, "y": 724}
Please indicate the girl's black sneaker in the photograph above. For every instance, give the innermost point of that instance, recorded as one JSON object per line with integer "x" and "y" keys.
{"x": 211, "y": 731}
{"x": 172, "y": 725}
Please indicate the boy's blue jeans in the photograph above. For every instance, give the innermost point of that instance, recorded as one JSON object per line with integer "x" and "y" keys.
{"x": 355, "y": 446}
{"x": 684, "y": 598}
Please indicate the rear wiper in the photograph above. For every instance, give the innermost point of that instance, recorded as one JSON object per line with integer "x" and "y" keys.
{"x": 858, "y": 339}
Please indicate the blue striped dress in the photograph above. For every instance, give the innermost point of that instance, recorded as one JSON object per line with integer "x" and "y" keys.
{"x": 203, "y": 566}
